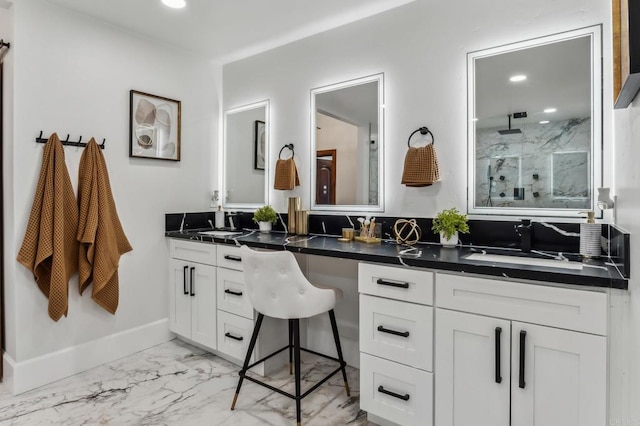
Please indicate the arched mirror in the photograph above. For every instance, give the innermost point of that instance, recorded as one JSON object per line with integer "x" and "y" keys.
{"x": 535, "y": 126}
{"x": 347, "y": 129}
{"x": 246, "y": 156}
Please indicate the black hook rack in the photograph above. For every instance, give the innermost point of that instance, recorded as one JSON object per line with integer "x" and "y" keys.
{"x": 290, "y": 146}
{"x": 423, "y": 131}
{"x": 67, "y": 142}
{"x": 4, "y": 44}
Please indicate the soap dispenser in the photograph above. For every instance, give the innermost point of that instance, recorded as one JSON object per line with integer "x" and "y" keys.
{"x": 219, "y": 218}
{"x": 590, "y": 233}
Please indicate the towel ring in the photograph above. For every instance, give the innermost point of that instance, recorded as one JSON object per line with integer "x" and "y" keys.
{"x": 290, "y": 146}
{"x": 423, "y": 131}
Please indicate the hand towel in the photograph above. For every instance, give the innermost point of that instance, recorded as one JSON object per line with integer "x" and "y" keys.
{"x": 421, "y": 167}
{"x": 50, "y": 248}
{"x": 102, "y": 239}
{"x": 286, "y": 175}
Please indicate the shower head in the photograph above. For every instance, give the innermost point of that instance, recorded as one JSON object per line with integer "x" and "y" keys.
{"x": 510, "y": 131}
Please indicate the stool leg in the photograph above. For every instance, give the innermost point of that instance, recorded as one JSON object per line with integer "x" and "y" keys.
{"x": 252, "y": 344}
{"x": 296, "y": 355}
{"x": 336, "y": 337}
{"x": 290, "y": 346}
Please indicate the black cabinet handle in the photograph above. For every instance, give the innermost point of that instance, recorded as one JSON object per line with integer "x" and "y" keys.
{"x": 234, "y": 258}
{"x": 404, "y": 397}
{"x": 498, "y": 335}
{"x": 233, "y": 293}
{"x": 523, "y": 336}
{"x": 394, "y": 332}
{"x": 193, "y": 285}
{"x": 231, "y": 336}
{"x": 184, "y": 279}
{"x": 392, "y": 283}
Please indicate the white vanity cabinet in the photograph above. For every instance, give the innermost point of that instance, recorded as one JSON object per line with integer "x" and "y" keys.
{"x": 396, "y": 338}
{"x": 519, "y": 354}
{"x": 236, "y": 317}
{"x": 192, "y": 295}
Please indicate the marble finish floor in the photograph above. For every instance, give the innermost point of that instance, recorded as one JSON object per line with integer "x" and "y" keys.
{"x": 178, "y": 384}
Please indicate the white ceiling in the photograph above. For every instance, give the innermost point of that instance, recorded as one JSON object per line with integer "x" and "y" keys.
{"x": 228, "y": 30}
{"x": 558, "y": 76}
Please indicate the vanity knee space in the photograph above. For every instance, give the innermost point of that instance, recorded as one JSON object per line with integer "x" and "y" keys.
{"x": 435, "y": 344}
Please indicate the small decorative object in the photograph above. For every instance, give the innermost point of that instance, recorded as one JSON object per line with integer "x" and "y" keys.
{"x": 347, "y": 235}
{"x": 370, "y": 231}
{"x": 407, "y": 231}
{"x": 259, "y": 144}
{"x": 448, "y": 223}
{"x": 293, "y": 207}
{"x": 265, "y": 217}
{"x": 302, "y": 222}
{"x": 604, "y": 199}
{"x": 154, "y": 127}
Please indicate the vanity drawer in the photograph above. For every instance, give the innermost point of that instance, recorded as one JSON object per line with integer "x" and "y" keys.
{"x": 193, "y": 251}
{"x": 232, "y": 293}
{"x": 234, "y": 334}
{"x": 229, "y": 257}
{"x": 398, "y": 331}
{"x": 396, "y": 283}
{"x": 395, "y": 392}
{"x": 571, "y": 309}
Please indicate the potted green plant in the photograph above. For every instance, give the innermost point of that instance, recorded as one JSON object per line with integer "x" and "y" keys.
{"x": 265, "y": 217}
{"x": 448, "y": 223}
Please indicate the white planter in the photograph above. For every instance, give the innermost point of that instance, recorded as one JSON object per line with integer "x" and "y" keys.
{"x": 265, "y": 226}
{"x": 451, "y": 242}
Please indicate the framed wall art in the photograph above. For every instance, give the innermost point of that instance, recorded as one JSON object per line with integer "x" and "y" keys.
{"x": 259, "y": 144}
{"x": 154, "y": 127}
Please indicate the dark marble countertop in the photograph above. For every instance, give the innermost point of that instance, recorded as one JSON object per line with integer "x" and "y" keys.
{"x": 595, "y": 272}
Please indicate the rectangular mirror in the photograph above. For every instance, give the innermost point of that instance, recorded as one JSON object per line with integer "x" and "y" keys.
{"x": 246, "y": 156}
{"x": 347, "y": 144}
{"x": 535, "y": 120}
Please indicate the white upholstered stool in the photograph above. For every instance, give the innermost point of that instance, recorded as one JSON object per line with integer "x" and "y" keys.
{"x": 278, "y": 289}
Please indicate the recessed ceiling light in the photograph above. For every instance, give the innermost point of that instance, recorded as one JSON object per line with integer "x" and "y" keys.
{"x": 474, "y": 119}
{"x": 550, "y": 110}
{"x": 175, "y": 4}
{"x": 544, "y": 121}
{"x": 517, "y": 78}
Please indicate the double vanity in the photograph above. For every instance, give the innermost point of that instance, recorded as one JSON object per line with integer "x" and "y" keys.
{"x": 442, "y": 332}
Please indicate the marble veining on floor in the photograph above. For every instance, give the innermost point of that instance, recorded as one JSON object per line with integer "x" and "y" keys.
{"x": 178, "y": 384}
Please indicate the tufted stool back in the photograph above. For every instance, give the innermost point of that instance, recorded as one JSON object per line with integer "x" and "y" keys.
{"x": 278, "y": 289}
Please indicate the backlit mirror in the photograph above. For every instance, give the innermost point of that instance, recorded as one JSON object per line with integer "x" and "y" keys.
{"x": 246, "y": 165}
{"x": 535, "y": 135}
{"x": 346, "y": 145}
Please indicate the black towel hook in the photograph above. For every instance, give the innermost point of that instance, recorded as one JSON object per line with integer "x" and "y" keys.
{"x": 423, "y": 131}
{"x": 67, "y": 142}
{"x": 290, "y": 146}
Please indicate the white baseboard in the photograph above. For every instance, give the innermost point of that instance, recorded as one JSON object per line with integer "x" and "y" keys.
{"x": 22, "y": 376}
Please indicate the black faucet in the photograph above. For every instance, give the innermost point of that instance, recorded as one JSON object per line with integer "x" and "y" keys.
{"x": 524, "y": 230}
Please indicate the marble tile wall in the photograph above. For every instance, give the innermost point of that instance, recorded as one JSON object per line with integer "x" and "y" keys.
{"x": 550, "y": 161}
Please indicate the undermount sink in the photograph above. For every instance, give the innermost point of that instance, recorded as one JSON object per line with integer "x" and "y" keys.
{"x": 219, "y": 233}
{"x": 519, "y": 260}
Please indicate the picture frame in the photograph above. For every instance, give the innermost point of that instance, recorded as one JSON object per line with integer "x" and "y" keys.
{"x": 259, "y": 143}
{"x": 626, "y": 52}
{"x": 154, "y": 126}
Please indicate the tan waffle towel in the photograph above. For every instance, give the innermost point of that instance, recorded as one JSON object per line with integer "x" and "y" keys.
{"x": 286, "y": 174}
{"x": 49, "y": 248}
{"x": 421, "y": 167}
{"x": 102, "y": 240}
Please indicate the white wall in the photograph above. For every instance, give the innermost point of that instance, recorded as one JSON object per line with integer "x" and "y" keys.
{"x": 421, "y": 48}
{"x": 627, "y": 190}
{"x": 73, "y": 75}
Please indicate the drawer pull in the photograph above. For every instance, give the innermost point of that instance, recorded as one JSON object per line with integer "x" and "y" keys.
{"x": 233, "y": 293}
{"x": 231, "y": 336}
{"x": 184, "y": 280}
{"x": 498, "y": 368}
{"x": 523, "y": 336}
{"x": 234, "y": 258}
{"x": 392, "y": 283}
{"x": 394, "y": 332}
{"x": 404, "y": 397}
